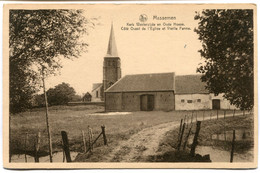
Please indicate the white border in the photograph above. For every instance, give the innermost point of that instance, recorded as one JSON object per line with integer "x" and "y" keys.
{"x": 116, "y": 2}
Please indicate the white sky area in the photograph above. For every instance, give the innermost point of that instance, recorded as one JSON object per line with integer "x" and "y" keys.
{"x": 140, "y": 51}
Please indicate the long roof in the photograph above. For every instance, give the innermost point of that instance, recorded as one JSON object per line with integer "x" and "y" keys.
{"x": 185, "y": 84}
{"x": 144, "y": 82}
{"x": 190, "y": 84}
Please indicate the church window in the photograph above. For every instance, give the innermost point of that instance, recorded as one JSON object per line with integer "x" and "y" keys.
{"x": 189, "y": 101}
{"x": 110, "y": 84}
{"x": 182, "y": 100}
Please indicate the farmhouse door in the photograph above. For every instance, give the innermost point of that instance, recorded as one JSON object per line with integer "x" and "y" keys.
{"x": 150, "y": 102}
{"x": 147, "y": 102}
{"x": 215, "y": 104}
{"x": 143, "y": 103}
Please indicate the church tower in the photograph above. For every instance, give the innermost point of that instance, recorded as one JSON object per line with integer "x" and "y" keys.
{"x": 111, "y": 65}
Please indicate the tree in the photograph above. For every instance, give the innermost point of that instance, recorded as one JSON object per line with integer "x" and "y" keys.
{"x": 228, "y": 51}
{"x": 38, "y": 40}
{"x": 60, "y": 94}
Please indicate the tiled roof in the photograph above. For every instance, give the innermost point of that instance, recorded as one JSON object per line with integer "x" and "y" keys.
{"x": 190, "y": 84}
{"x": 96, "y": 86}
{"x": 144, "y": 82}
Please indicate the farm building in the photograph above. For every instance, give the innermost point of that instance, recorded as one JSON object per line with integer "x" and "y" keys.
{"x": 141, "y": 92}
{"x": 163, "y": 91}
{"x": 191, "y": 94}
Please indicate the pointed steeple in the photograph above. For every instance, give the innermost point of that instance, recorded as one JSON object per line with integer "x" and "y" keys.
{"x": 112, "y": 50}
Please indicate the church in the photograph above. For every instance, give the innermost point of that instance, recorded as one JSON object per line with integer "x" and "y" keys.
{"x": 148, "y": 92}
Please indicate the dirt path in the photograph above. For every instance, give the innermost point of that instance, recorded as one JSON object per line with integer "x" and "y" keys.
{"x": 140, "y": 145}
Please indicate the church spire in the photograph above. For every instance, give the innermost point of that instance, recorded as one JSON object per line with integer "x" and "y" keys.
{"x": 112, "y": 50}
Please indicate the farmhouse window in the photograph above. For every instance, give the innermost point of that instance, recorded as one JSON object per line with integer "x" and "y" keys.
{"x": 182, "y": 100}
{"x": 189, "y": 101}
{"x": 96, "y": 93}
{"x": 199, "y": 100}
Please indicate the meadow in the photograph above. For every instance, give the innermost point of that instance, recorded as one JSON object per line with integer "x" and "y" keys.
{"x": 74, "y": 119}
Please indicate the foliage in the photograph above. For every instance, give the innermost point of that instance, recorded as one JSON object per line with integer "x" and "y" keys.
{"x": 76, "y": 98}
{"x": 60, "y": 94}
{"x": 228, "y": 49}
{"x": 39, "y": 39}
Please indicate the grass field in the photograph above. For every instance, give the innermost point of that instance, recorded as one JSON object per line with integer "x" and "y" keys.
{"x": 73, "y": 119}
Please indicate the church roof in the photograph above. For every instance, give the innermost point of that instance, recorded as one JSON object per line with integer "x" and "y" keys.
{"x": 190, "y": 84}
{"x": 112, "y": 50}
{"x": 96, "y": 86}
{"x": 144, "y": 82}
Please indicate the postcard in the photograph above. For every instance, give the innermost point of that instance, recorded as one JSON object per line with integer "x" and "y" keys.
{"x": 130, "y": 86}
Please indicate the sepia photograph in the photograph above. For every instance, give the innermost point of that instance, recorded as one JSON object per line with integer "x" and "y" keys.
{"x": 130, "y": 86}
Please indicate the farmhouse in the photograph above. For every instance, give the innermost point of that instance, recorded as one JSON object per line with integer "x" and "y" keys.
{"x": 147, "y": 92}
{"x": 163, "y": 91}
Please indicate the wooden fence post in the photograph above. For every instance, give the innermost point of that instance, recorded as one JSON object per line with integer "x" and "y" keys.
{"x": 37, "y": 147}
{"x": 90, "y": 138}
{"x": 191, "y": 117}
{"x": 196, "y": 116}
{"x": 244, "y": 112}
{"x": 182, "y": 131}
{"x": 233, "y": 146}
{"x": 195, "y": 139}
{"x": 179, "y": 135}
{"x": 203, "y": 114}
{"x": 224, "y": 114}
{"x": 217, "y": 114}
{"x": 66, "y": 145}
{"x": 234, "y": 113}
{"x": 25, "y": 147}
{"x": 210, "y": 115}
{"x": 84, "y": 141}
{"x": 104, "y": 134}
{"x": 187, "y": 138}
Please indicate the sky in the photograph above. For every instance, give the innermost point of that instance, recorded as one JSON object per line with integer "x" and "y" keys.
{"x": 140, "y": 51}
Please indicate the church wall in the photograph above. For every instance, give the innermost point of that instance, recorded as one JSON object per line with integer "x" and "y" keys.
{"x": 97, "y": 94}
{"x": 111, "y": 71}
{"x": 130, "y": 101}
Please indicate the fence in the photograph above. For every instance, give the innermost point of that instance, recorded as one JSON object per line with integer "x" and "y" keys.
{"x": 186, "y": 128}
{"x": 87, "y": 141}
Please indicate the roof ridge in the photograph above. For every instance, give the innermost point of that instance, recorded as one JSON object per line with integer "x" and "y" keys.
{"x": 190, "y": 75}
{"x": 150, "y": 74}
{"x": 115, "y": 83}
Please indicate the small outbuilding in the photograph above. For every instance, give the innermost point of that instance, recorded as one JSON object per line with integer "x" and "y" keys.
{"x": 145, "y": 92}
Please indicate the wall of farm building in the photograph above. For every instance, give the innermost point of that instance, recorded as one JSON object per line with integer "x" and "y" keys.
{"x": 224, "y": 103}
{"x": 192, "y": 101}
{"x": 199, "y": 101}
{"x": 130, "y": 101}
